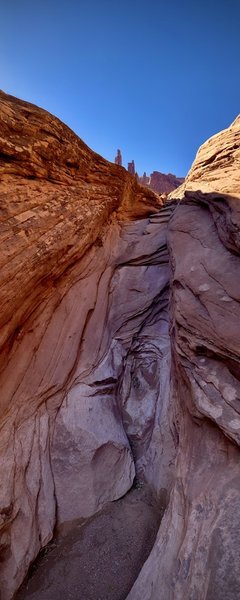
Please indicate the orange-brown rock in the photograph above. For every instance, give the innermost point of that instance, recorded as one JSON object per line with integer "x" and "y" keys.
{"x": 56, "y": 196}
{"x": 162, "y": 183}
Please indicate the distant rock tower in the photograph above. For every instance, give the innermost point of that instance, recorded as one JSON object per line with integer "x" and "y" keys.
{"x": 118, "y": 158}
{"x": 131, "y": 167}
{"x": 144, "y": 179}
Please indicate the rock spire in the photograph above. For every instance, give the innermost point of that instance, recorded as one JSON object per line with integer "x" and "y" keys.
{"x": 118, "y": 158}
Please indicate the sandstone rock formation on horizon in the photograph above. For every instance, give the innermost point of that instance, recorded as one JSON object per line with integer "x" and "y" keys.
{"x": 119, "y": 352}
{"x": 161, "y": 183}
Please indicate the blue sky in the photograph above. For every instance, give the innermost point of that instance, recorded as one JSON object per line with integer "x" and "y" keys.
{"x": 153, "y": 78}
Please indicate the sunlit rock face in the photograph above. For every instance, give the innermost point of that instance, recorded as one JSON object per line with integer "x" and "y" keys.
{"x": 119, "y": 352}
{"x": 197, "y": 551}
{"x": 163, "y": 183}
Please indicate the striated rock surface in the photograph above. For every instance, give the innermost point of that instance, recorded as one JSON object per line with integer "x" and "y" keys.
{"x": 56, "y": 195}
{"x": 216, "y": 166}
{"x": 119, "y": 352}
{"x": 197, "y": 551}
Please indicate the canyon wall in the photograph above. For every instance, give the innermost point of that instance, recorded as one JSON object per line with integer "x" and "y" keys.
{"x": 197, "y": 551}
{"x": 119, "y": 352}
{"x": 84, "y": 333}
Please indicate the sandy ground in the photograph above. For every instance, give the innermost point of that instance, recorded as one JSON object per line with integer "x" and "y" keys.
{"x": 101, "y": 559}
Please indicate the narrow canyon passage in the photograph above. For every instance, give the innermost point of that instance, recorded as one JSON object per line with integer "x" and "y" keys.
{"x": 120, "y": 364}
{"x": 101, "y": 559}
{"x": 98, "y": 353}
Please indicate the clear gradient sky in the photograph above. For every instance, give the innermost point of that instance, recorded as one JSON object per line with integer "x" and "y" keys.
{"x": 154, "y": 78}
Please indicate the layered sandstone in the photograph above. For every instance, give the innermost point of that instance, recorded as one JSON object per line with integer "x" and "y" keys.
{"x": 104, "y": 374}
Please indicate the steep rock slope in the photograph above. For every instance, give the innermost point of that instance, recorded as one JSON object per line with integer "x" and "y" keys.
{"x": 56, "y": 194}
{"x": 83, "y": 287}
{"x": 197, "y": 551}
